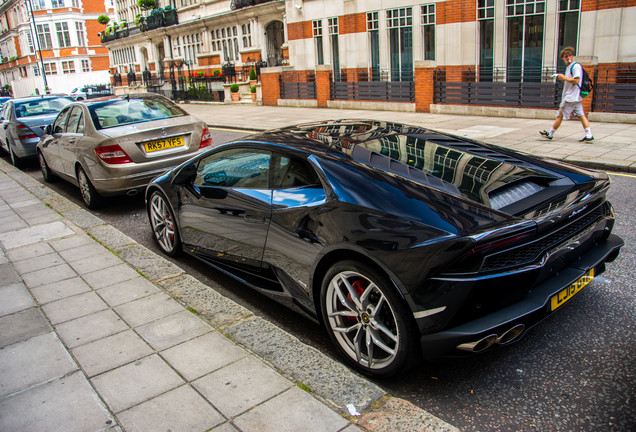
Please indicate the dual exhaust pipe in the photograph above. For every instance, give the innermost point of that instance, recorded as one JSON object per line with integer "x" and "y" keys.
{"x": 488, "y": 341}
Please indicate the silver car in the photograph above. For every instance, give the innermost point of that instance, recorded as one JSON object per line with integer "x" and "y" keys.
{"x": 116, "y": 145}
{"x": 22, "y": 123}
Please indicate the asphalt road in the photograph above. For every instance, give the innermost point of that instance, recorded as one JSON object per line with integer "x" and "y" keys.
{"x": 575, "y": 371}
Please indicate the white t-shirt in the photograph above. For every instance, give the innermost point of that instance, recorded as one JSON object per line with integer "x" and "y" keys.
{"x": 572, "y": 92}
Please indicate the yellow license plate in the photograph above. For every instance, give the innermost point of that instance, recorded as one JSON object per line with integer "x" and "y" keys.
{"x": 566, "y": 294}
{"x": 163, "y": 144}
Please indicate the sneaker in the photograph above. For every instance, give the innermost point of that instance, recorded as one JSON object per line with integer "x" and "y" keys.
{"x": 587, "y": 139}
{"x": 545, "y": 134}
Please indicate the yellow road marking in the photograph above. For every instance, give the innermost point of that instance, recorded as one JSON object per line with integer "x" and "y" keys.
{"x": 622, "y": 175}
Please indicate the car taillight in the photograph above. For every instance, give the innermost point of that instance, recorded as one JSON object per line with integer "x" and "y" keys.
{"x": 25, "y": 133}
{"x": 112, "y": 154}
{"x": 206, "y": 138}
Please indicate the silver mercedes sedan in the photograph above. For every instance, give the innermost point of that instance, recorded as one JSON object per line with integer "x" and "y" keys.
{"x": 116, "y": 145}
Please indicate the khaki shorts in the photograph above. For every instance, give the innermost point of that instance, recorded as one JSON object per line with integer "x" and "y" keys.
{"x": 571, "y": 110}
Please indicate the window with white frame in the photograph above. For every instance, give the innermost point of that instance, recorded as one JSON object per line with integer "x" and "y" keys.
{"x": 29, "y": 40}
{"x": 44, "y": 36}
{"x": 68, "y": 67}
{"x": 317, "y": 34}
{"x": 57, "y": 3}
{"x": 63, "y": 36}
{"x": 36, "y": 71}
{"x": 428, "y": 30}
{"x": 79, "y": 29}
{"x": 247, "y": 35}
{"x": 400, "y": 26}
{"x": 86, "y": 66}
{"x": 50, "y": 68}
{"x": 38, "y": 4}
{"x": 123, "y": 57}
{"x": 486, "y": 23}
{"x": 373, "y": 29}
{"x": 226, "y": 41}
{"x": 188, "y": 47}
{"x": 525, "y": 22}
{"x": 569, "y": 12}
{"x": 332, "y": 29}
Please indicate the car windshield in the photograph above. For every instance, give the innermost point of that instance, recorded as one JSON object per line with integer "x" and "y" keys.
{"x": 38, "y": 107}
{"x": 121, "y": 112}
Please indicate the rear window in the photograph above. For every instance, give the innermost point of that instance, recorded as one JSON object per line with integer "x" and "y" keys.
{"x": 40, "y": 107}
{"x": 121, "y": 112}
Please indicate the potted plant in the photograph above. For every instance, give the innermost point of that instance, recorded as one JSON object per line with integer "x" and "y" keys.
{"x": 103, "y": 19}
{"x": 147, "y": 4}
{"x": 252, "y": 77}
{"x": 253, "y": 92}
{"x": 234, "y": 88}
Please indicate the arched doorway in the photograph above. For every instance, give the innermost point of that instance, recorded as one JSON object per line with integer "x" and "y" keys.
{"x": 275, "y": 39}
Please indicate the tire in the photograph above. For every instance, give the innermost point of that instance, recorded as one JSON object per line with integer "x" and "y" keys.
{"x": 48, "y": 176}
{"x": 366, "y": 319}
{"x": 163, "y": 224}
{"x": 16, "y": 161}
{"x": 91, "y": 198}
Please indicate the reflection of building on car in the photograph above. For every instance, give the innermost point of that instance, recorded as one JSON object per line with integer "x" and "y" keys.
{"x": 92, "y": 91}
{"x": 404, "y": 242}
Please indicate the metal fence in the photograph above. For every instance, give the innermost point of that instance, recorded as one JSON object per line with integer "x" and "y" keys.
{"x": 391, "y": 91}
{"x": 466, "y": 87}
{"x": 615, "y": 89}
{"x": 297, "y": 85}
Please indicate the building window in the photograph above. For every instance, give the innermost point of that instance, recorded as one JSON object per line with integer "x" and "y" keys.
{"x": 247, "y": 35}
{"x": 486, "y": 23}
{"x": 30, "y": 42}
{"x": 569, "y": 11}
{"x": 68, "y": 67}
{"x": 36, "y": 71}
{"x": 373, "y": 28}
{"x": 428, "y": 31}
{"x": 63, "y": 37}
{"x": 57, "y": 3}
{"x": 332, "y": 28}
{"x": 44, "y": 36}
{"x": 225, "y": 40}
{"x": 317, "y": 32}
{"x": 188, "y": 47}
{"x": 38, "y": 4}
{"x": 400, "y": 26}
{"x": 50, "y": 68}
{"x": 86, "y": 66}
{"x": 525, "y": 40}
{"x": 79, "y": 29}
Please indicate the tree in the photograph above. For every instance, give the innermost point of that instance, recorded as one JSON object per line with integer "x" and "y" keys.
{"x": 103, "y": 19}
{"x": 147, "y": 4}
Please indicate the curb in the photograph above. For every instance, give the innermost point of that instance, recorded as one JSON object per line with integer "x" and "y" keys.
{"x": 326, "y": 379}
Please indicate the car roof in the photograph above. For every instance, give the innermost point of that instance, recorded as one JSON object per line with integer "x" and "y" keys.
{"x": 46, "y": 96}
{"x": 121, "y": 97}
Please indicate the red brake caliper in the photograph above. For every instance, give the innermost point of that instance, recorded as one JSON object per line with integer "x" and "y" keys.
{"x": 359, "y": 288}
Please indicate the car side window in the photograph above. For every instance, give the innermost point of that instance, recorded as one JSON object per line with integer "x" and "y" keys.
{"x": 74, "y": 120}
{"x": 59, "y": 126}
{"x": 292, "y": 172}
{"x": 238, "y": 168}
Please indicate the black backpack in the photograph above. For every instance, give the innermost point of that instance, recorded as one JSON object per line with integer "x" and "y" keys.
{"x": 585, "y": 84}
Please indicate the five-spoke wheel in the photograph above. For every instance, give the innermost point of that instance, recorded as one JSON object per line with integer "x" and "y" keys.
{"x": 163, "y": 224}
{"x": 365, "y": 318}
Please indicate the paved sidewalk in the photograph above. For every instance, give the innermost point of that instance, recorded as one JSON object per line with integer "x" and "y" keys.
{"x": 95, "y": 335}
{"x": 614, "y": 147}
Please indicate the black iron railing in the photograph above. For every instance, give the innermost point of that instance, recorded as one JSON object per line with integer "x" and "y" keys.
{"x": 297, "y": 85}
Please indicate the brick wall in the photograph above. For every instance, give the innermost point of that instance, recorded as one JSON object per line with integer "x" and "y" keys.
{"x": 323, "y": 85}
{"x": 455, "y": 11}
{"x": 353, "y": 23}
{"x": 271, "y": 87}
{"x": 299, "y": 30}
{"x": 594, "y": 5}
{"x": 424, "y": 88}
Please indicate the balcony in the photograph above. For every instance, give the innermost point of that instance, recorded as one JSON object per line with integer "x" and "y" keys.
{"x": 158, "y": 18}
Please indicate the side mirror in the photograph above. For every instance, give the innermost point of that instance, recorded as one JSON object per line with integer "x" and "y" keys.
{"x": 186, "y": 174}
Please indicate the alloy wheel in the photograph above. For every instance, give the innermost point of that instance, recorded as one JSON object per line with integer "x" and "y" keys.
{"x": 163, "y": 225}
{"x": 362, "y": 320}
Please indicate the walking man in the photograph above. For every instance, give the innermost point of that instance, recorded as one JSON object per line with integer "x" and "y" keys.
{"x": 571, "y": 101}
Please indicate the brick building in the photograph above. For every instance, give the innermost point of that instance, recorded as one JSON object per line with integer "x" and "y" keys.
{"x": 65, "y": 31}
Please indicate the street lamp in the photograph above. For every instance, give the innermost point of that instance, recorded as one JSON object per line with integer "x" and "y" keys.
{"x": 37, "y": 39}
